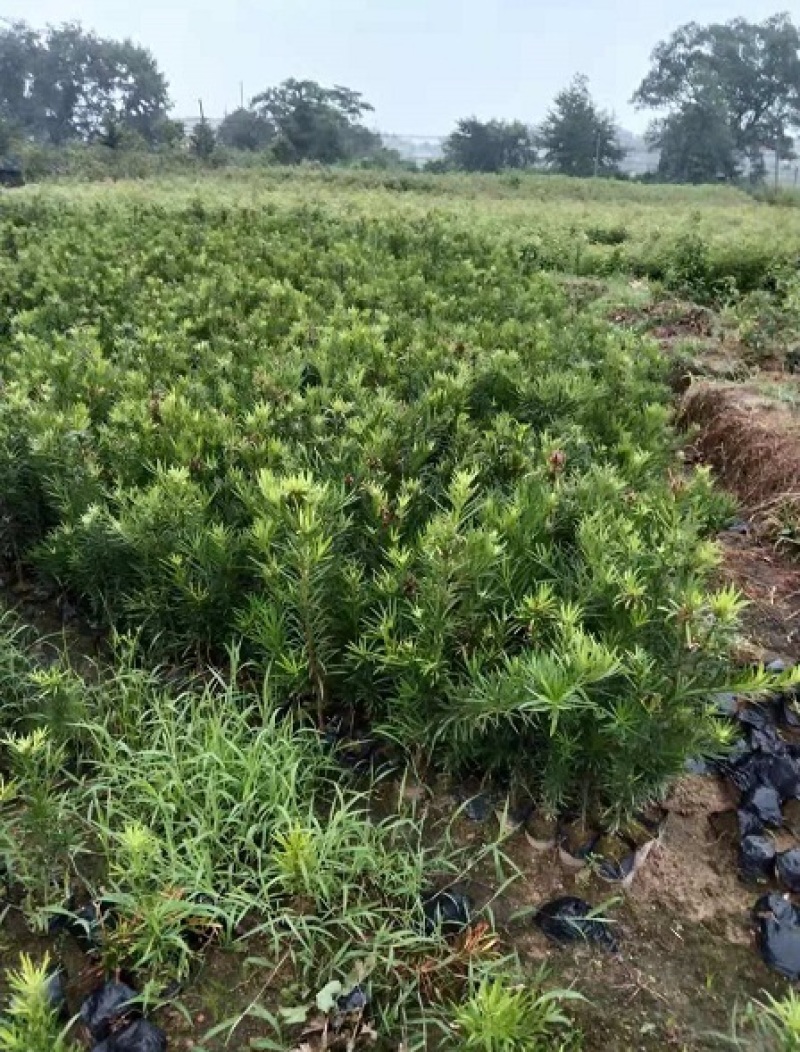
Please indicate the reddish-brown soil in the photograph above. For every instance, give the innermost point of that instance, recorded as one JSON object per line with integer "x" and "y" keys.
{"x": 751, "y": 440}
{"x": 771, "y": 583}
{"x": 669, "y": 320}
{"x": 687, "y": 953}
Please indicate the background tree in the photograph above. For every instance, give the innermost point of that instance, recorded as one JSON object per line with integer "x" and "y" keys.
{"x": 577, "y": 137}
{"x": 245, "y": 129}
{"x": 753, "y": 68}
{"x": 65, "y": 84}
{"x": 490, "y": 146}
{"x": 696, "y": 142}
{"x": 203, "y": 141}
{"x": 168, "y": 132}
{"x": 312, "y": 123}
{"x": 19, "y": 53}
{"x": 6, "y": 137}
{"x": 140, "y": 93}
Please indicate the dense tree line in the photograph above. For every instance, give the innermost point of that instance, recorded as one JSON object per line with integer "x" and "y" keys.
{"x": 65, "y": 84}
{"x": 576, "y": 139}
{"x": 299, "y": 120}
{"x": 728, "y": 93}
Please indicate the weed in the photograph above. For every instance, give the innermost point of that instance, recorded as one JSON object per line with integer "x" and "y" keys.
{"x": 772, "y": 1025}
{"x": 31, "y": 1022}
{"x": 39, "y": 833}
{"x": 497, "y": 1018}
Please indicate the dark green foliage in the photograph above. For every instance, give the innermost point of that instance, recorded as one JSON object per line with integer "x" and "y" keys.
{"x": 245, "y": 130}
{"x": 491, "y": 146}
{"x": 577, "y": 138}
{"x": 64, "y": 84}
{"x": 696, "y": 143}
{"x": 465, "y": 526}
{"x": 746, "y": 73}
{"x": 203, "y": 140}
{"x": 310, "y": 123}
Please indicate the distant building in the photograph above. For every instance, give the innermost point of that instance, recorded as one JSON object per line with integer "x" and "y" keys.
{"x": 190, "y": 123}
{"x": 417, "y": 148}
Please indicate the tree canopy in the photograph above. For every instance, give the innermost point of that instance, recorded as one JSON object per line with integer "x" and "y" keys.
{"x": 203, "y": 140}
{"x": 66, "y": 84}
{"x": 696, "y": 142}
{"x": 245, "y": 129}
{"x": 311, "y": 123}
{"x": 752, "y": 70}
{"x": 577, "y": 137}
{"x": 490, "y": 146}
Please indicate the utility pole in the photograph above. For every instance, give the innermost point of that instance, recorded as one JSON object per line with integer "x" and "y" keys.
{"x": 202, "y": 115}
{"x": 241, "y": 94}
{"x": 777, "y": 163}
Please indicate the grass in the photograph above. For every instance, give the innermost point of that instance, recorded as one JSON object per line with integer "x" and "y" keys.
{"x": 202, "y": 817}
{"x": 502, "y": 1019}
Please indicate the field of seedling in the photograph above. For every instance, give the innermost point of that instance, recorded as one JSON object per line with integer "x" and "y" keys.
{"x": 363, "y": 608}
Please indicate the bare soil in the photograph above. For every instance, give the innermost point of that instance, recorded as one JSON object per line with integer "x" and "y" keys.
{"x": 751, "y": 440}
{"x": 771, "y": 583}
{"x": 669, "y": 321}
{"x": 687, "y": 953}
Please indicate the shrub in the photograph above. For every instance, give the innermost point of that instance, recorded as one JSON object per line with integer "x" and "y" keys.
{"x": 387, "y": 456}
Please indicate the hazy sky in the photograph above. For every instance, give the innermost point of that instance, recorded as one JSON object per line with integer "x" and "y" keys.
{"x": 422, "y": 63}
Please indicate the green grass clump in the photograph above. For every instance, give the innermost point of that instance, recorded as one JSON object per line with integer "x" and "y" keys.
{"x": 522, "y": 1019}
{"x": 772, "y": 1025}
{"x": 202, "y": 818}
